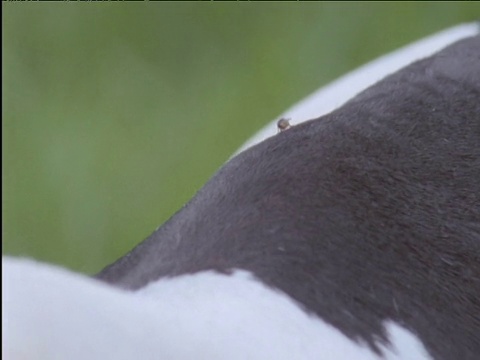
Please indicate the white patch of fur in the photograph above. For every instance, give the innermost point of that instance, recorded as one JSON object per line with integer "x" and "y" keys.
{"x": 51, "y": 313}
{"x": 337, "y": 93}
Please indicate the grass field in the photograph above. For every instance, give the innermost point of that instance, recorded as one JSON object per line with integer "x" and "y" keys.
{"x": 115, "y": 114}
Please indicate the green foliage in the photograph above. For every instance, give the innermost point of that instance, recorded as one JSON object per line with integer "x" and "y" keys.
{"x": 114, "y": 115}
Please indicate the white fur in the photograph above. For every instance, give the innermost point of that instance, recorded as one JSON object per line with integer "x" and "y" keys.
{"x": 51, "y": 313}
{"x": 335, "y": 94}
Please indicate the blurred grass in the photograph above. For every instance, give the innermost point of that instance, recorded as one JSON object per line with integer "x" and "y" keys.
{"x": 114, "y": 115}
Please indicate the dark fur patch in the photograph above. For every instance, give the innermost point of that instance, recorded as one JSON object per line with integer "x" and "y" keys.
{"x": 369, "y": 213}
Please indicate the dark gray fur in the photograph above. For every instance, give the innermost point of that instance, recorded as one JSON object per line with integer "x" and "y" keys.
{"x": 367, "y": 214}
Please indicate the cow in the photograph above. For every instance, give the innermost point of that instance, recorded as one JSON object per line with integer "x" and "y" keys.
{"x": 353, "y": 235}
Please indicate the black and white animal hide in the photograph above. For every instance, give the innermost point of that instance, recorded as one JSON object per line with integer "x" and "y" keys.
{"x": 364, "y": 217}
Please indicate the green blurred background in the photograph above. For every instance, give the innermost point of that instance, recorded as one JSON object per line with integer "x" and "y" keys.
{"x": 115, "y": 114}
